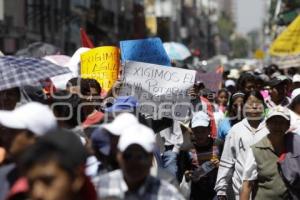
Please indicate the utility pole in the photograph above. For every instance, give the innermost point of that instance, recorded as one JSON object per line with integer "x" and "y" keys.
{"x": 96, "y": 19}
{"x": 116, "y": 19}
{"x": 52, "y": 20}
{"x": 42, "y": 20}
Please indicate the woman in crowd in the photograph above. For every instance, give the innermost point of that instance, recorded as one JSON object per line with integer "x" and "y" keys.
{"x": 233, "y": 115}
{"x": 247, "y": 82}
{"x": 222, "y": 100}
{"x": 90, "y": 92}
{"x": 241, "y": 136}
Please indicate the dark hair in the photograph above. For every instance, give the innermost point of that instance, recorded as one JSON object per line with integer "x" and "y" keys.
{"x": 10, "y": 98}
{"x": 62, "y": 146}
{"x": 232, "y": 98}
{"x": 223, "y": 90}
{"x": 244, "y": 78}
{"x": 73, "y": 82}
{"x": 273, "y": 66}
{"x": 66, "y": 105}
{"x": 295, "y": 101}
{"x": 87, "y": 83}
{"x": 257, "y": 95}
{"x": 271, "y": 69}
{"x": 260, "y": 80}
{"x": 292, "y": 71}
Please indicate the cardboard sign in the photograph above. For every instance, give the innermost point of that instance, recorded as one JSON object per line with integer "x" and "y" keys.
{"x": 161, "y": 91}
{"x": 146, "y": 50}
{"x": 288, "y": 42}
{"x": 211, "y": 80}
{"x": 102, "y": 64}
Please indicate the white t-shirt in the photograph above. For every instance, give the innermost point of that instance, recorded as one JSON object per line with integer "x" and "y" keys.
{"x": 250, "y": 172}
{"x": 295, "y": 121}
{"x": 241, "y": 136}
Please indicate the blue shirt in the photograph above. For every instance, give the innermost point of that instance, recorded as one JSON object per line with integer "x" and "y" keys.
{"x": 223, "y": 129}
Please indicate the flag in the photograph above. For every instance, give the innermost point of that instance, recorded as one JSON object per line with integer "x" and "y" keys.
{"x": 85, "y": 40}
{"x": 288, "y": 42}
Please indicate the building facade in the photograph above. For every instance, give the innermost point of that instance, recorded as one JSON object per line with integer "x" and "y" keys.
{"x": 192, "y": 22}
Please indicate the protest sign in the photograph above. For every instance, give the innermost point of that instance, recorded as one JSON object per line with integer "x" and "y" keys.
{"x": 211, "y": 80}
{"x": 146, "y": 50}
{"x": 161, "y": 91}
{"x": 102, "y": 64}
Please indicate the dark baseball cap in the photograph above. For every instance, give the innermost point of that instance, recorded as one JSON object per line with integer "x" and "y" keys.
{"x": 281, "y": 79}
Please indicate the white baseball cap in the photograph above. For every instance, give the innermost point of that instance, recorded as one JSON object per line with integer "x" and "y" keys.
{"x": 33, "y": 116}
{"x": 234, "y": 73}
{"x": 200, "y": 118}
{"x": 296, "y": 78}
{"x": 121, "y": 122}
{"x": 279, "y": 111}
{"x": 137, "y": 134}
{"x": 229, "y": 83}
{"x": 295, "y": 93}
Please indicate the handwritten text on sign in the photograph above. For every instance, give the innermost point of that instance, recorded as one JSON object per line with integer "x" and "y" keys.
{"x": 102, "y": 64}
{"x": 158, "y": 88}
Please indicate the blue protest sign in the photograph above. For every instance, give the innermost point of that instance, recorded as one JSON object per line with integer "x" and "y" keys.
{"x": 149, "y": 50}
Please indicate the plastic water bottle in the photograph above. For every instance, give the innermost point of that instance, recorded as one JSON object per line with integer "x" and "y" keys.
{"x": 203, "y": 170}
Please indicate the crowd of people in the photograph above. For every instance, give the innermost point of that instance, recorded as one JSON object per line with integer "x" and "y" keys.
{"x": 75, "y": 144}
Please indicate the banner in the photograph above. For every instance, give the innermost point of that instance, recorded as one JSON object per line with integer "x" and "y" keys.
{"x": 211, "y": 80}
{"x": 102, "y": 64}
{"x": 161, "y": 91}
{"x": 146, "y": 50}
{"x": 288, "y": 42}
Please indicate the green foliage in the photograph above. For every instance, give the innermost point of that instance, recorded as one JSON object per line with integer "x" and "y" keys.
{"x": 292, "y": 3}
{"x": 240, "y": 47}
{"x": 226, "y": 26}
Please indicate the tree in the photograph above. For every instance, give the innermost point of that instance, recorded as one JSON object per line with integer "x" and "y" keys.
{"x": 239, "y": 47}
{"x": 226, "y": 26}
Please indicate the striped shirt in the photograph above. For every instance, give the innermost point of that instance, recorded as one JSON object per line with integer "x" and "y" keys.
{"x": 113, "y": 186}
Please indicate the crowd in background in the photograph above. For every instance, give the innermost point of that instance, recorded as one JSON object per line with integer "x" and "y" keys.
{"x": 70, "y": 144}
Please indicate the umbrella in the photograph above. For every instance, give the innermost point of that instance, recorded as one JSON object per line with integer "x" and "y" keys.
{"x": 21, "y": 71}
{"x": 177, "y": 51}
{"x": 60, "y": 81}
{"x": 60, "y": 60}
{"x": 38, "y": 50}
{"x": 71, "y": 62}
